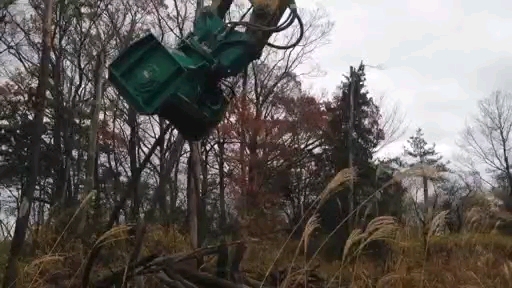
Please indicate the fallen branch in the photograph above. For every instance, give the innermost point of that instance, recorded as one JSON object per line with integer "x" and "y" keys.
{"x": 169, "y": 269}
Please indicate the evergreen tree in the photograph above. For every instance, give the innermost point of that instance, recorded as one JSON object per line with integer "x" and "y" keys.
{"x": 367, "y": 133}
{"x": 425, "y": 155}
{"x": 421, "y": 151}
{"x": 337, "y": 144}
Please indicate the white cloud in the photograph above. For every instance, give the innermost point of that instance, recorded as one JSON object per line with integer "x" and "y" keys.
{"x": 441, "y": 56}
{"x": 428, "y": 10}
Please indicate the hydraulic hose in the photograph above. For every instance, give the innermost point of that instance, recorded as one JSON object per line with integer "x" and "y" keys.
{"x": 292, "y": 16}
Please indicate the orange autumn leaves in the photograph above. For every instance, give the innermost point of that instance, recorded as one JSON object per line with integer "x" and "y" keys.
{"x": 262, "y": 137}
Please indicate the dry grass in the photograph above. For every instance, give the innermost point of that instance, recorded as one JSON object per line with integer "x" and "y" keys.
{"x": 414, "y": 263}
{"x": 465, "y": 260}
{"x": 62, "y": 261}
{"x": 468, "y": 260}
{"x": 479, "y": 257}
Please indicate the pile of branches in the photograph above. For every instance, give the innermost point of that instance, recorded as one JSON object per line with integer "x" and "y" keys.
{"x": 175, "y": 271}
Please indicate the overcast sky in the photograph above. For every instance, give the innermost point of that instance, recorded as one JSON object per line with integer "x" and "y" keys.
{"x": 441, "y": 56}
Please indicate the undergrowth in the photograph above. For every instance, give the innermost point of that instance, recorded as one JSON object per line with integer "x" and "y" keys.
{"x": 462, "y": 260}
{"x": 402, "y": 258}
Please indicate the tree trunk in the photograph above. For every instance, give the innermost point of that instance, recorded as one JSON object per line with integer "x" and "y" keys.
{"x": 60, "y": 175}
{"x": 193, "y": 189}
{"x": 174, "y": 162}
{"x": 425, "y": 197}
{"x": 22, "y": 222}
{"x": 243, "y": 144}
{"x": 174, "y": 192}
{"x": 203, "y": 220}
{"x": 93, "y": 135}
{"x": 223, "y": 258}
{"x": 165, "y": 169}
{"x": 222, "y": 186}
{"x": 351, "y": 196}
{"x": 426, "y": 215}
{"x": 132, "y": 154}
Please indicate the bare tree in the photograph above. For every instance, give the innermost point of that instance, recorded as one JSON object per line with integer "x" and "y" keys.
{"x": 108, "y": 148}
{"x": 393, "y": 120}
{"x": 39, "y": 103}
{"x": 93, "y": 132}
{"x": 487, "y": 137}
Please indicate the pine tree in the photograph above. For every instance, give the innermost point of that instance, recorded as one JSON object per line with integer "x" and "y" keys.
{"x": 425, "y": 155}
{"x": 420, "y": 150}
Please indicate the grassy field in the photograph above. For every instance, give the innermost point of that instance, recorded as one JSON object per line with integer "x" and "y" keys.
{"x": 387, "y": 253}
{"x": 462, "y": 260}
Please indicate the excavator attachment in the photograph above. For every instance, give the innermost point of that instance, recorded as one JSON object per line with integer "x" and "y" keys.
{"x": 182, "y": 84}
{"x": 147, "y": 74}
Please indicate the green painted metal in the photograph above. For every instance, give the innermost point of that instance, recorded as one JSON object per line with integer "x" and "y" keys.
{"x": 182, "y": 84}
{"x": 147, "y": 73}
{"x": 233, "y": 50}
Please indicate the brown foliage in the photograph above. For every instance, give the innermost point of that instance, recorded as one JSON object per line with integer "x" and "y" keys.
{"x": 263, "y": 140}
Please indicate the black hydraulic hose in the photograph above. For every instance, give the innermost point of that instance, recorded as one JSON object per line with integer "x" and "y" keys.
{"x": 285, "y": 25}
{"x": 294, "y": 15}
{"x": 301, "y": 32}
